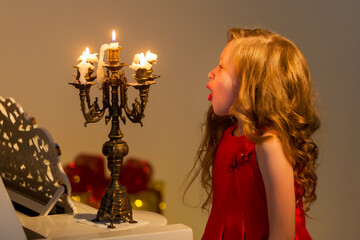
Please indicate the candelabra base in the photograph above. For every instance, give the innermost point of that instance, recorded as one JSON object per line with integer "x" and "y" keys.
{"x": 115, "y": 203}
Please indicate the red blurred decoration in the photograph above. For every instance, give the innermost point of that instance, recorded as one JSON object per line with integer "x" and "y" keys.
{"x": 135, "y": 175}
{"x": 88, "y": 181}
{"x": 87, "y": 177}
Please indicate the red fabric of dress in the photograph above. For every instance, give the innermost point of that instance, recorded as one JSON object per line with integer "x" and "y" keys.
{"x": 239, "y": 209}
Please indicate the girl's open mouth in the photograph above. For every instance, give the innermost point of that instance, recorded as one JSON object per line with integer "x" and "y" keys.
{"x": 211, "y": 94}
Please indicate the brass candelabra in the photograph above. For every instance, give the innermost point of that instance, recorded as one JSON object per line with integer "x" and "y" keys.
{"x": 115, "y": 201}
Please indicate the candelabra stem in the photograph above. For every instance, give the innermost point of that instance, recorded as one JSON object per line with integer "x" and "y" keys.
{"x": 115, "y": 201}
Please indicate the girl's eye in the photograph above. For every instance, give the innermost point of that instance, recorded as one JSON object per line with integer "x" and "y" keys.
{"x": 220, "y": 66}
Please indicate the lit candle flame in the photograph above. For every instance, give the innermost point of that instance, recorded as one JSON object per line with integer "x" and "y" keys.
{"x": 114, "y": 45}
{"x": 142, "y": 60}
{"x": 83, "y": 57}
{"x": 113, "y": 36}
{"x": 88, "y": 57}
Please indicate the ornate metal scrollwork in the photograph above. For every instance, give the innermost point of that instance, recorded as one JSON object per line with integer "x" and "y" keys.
{"x": 29, "y": 162}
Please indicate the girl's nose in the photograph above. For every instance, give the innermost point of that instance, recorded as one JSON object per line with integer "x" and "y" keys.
{"x": 211, "y": 74}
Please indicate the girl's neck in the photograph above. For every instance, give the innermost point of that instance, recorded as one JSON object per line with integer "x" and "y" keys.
{"x": 238, "y": 131}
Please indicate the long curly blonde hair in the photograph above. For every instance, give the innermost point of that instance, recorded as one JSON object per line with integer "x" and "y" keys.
{"x": 275, "y": 93}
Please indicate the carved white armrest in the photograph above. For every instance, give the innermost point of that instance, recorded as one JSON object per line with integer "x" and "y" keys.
{"x": 29, "y": 162}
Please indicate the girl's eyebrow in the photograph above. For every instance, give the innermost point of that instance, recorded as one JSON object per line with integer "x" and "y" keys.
{"x": 221, "y": 62}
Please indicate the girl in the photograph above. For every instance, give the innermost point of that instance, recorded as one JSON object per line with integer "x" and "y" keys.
{"x": 257, "y": 159}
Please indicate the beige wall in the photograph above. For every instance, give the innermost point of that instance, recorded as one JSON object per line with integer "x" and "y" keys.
{"x": 40, "y": 41}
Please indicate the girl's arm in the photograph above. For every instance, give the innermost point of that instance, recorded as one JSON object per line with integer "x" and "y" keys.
{"x": 278, "y": 179}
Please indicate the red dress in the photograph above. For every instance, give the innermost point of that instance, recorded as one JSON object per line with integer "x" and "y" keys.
{"x": 239, "y": 209}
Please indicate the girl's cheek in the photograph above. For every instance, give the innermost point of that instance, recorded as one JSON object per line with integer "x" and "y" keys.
{"x": 229, "y": 82}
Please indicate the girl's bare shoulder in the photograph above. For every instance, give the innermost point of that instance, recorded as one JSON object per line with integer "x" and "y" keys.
{"x": 271, "y": 141}
{"x": 270, "y": 151}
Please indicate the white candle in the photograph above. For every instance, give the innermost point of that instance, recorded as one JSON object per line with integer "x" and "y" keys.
{"x": 86, "y": 59}
{"x": 151, "y": 57}
{"x": 83, "y": 69}
{"x": 140, "y": 62}
{"x": 113, "y": 46}
{"x": 100, "y": 70}
{"x": 136, "y": 59}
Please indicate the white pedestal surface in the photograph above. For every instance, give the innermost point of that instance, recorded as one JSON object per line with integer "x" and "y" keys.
{"x": 67, "y": 226}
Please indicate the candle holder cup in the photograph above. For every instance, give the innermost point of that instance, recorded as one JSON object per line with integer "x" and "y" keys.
{"x": 115, "y": 201}
{"x": 114, "y": 56}
{"x": 87, "y": 76}
{"x": 141, "y": 75}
